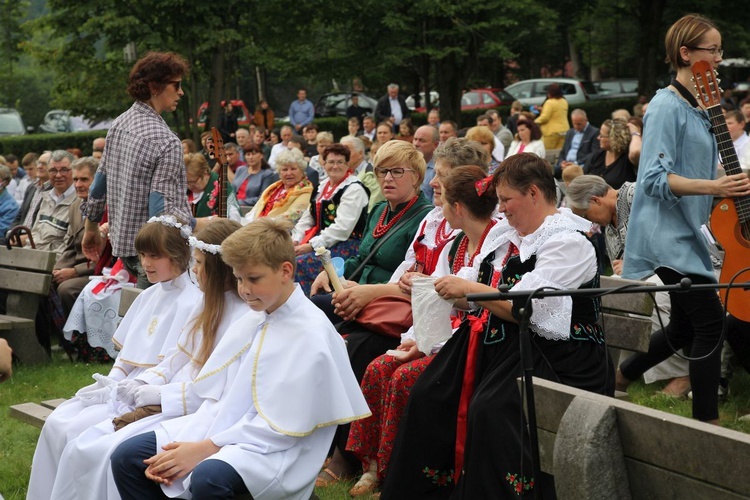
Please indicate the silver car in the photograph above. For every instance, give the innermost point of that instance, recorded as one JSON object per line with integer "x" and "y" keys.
{"x": 534, "y": 92}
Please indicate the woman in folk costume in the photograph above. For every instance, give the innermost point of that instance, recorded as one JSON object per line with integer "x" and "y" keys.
{"x": 470, "y": 207}
{"x": 462, "y": 434}
{"x": 164, "y": 391}
{"x": 421, "y": 258}
{"x": 148, "y": 330}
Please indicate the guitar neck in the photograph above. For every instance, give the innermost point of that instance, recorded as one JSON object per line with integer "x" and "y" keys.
{"x": 729, "y": 158}
{"x": 724, "y": 141}
{"x": 223, "y": 191}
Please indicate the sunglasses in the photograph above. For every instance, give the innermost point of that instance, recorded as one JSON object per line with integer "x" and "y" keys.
{"x": 177, "y": 84}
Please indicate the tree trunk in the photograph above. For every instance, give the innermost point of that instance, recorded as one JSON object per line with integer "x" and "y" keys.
{"x": 651, "y": 12}
{"x": 216, "y": 85}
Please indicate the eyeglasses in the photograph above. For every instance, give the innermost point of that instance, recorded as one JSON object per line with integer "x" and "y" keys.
{"x": 177, "y": 84}
{"x": 58, "y": 171}
{"x": 714, "y": 51}
{"x": 333, "y": 163}
{"x": 396, "y": 172}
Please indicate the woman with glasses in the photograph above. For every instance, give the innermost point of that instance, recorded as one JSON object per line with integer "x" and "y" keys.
{"x": 676, "y": 185}
{"x": 399, "y": 168}
{"x": 611, "y": 162}
{"x": 335, "y": 219}
{"x": 204, "y": 191}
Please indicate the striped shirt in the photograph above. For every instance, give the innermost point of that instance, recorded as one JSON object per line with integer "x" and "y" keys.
{"x": 141, "y": 174}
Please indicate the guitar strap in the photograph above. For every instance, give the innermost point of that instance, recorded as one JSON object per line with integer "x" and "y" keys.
{"x": 684, "y": 93}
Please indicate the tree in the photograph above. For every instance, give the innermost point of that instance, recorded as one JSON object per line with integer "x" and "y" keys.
{"x": 11, "y": 14}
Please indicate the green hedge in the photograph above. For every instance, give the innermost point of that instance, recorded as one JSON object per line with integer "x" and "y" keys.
{"x": 19, "y": 145}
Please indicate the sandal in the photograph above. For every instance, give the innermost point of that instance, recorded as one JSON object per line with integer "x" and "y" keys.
{"x": 367, "y": 484}
{"x": 321, "y": 482}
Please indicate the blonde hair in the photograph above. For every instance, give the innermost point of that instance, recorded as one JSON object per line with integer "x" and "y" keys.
{"x": 402, "y": 154}
{"x": 219, "y": 279}
{"x": 481, "y": 134}
{"x": 196, "y": 164}
{"x": 265, "y": 241}
{"x": 571, "y": 172}
{"x": 619, "y": 136}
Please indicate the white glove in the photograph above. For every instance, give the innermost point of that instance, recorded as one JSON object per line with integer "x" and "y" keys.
{"x": 100, "y": 381}
{"x": 147, "y": 395}
{"x": 126, "y": 391}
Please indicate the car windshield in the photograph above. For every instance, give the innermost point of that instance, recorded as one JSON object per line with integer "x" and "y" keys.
{"x": 10, "y": 124}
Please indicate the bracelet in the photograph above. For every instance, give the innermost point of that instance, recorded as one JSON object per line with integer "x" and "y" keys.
{"x": 636, "y": 134}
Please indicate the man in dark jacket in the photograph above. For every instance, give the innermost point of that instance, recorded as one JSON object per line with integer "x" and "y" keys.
{"x": 392, "y": 108}
{"x": 580, "y": 142}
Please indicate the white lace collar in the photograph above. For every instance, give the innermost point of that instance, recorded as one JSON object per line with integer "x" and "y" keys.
{"x": 562, "y": 222}
{"x": 432, "y": 222}
{"x": 497, "y": 237}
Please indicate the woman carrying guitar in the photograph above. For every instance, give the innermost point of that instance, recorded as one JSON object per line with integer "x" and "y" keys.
{"x": 676, "y": 185}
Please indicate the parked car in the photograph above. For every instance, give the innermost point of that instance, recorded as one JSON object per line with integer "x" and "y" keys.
{"x": 335, "y": 103}
{"x": 534, "y": 92}
{"x": 60, "y": 121}
{"x": 11, "y": 123}
{"x": 474, "y": 99}
{"x": 411, "y": 101}
{"x": 244, "y": 116}
{"x": 613, "y": 89}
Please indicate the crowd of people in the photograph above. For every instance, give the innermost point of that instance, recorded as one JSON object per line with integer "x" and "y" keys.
{"x": 246, "y": 367}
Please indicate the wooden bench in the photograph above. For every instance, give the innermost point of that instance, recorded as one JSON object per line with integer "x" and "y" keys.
{"x": 25, "y": 275}
{"x": 36, "y": 414}
{"x": 600, "y": 447}
{"x": 627, "y": 317}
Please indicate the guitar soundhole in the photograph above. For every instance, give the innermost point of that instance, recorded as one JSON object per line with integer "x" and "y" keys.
{"x": 743, "y": 236}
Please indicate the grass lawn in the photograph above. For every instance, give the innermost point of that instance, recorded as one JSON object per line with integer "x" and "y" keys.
{"x": 61, "y": 378}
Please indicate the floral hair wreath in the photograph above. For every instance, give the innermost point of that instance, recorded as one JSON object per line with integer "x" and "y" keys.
{"x": 171, "y": 221}
{"x": 204, "y": 247}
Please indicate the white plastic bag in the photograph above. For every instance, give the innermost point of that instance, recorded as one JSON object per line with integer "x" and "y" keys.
{"x": 432, "y": 314}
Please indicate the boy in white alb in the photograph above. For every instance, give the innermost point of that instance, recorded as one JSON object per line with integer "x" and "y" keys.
{"x": 270, "y": 430}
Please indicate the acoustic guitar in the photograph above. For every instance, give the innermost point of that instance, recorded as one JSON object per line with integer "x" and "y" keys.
{"x": 730, "y": 219}
{"x": 217, "y": 152}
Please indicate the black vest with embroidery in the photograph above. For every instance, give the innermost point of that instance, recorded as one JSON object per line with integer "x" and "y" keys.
{"x": 584, "y": 318}
{"x": 329, "y": 208}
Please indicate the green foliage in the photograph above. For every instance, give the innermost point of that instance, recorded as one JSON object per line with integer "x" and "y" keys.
{"x": 22, "y": 144}
{"x": 598, "y": 111}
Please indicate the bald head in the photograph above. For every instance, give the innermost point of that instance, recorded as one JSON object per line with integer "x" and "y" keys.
{"x": 426, "y": 139}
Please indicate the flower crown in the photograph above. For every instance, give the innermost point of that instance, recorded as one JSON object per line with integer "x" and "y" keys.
{"x": 171, "y": 221}
{"x": 204, "y": 247}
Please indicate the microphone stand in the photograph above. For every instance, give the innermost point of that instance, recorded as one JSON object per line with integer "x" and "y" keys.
{"x": 527, "y": 361}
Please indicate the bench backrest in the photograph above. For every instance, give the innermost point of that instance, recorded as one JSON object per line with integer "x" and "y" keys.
{"x": 127, "y": 297}
{"x": 665, "y": 455}
{"x": 627, "y": 317}
{"x": 24, "y": 273}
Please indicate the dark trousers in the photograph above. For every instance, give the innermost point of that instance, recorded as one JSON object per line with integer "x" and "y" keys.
{"x": 211, "y": 479}
{"x": 696, "y": 319}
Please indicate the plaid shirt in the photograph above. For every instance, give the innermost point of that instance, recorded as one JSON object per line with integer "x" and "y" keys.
{"x": 144, "y": 171}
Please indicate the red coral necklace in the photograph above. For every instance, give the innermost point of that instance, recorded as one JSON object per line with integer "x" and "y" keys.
{"x": 463, "y": 245}
{"x": 380, "y": 228}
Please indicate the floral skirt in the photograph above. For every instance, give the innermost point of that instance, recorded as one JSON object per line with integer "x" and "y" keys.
{"x": 386, "y": 386}
{"x": 309, "y": 266}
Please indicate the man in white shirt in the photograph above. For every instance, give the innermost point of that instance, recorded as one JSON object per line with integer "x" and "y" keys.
{"x": 368, "y": 124}
{"x": 52, "y": 221}
{"x": 286, "y": 134}
{"x": 736, "y": 126}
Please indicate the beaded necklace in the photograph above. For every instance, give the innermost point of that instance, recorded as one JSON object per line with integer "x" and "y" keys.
{"x": 380, "y": 229}
{"x": 441, "y": 235}
{"x": 463, "y": 245}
